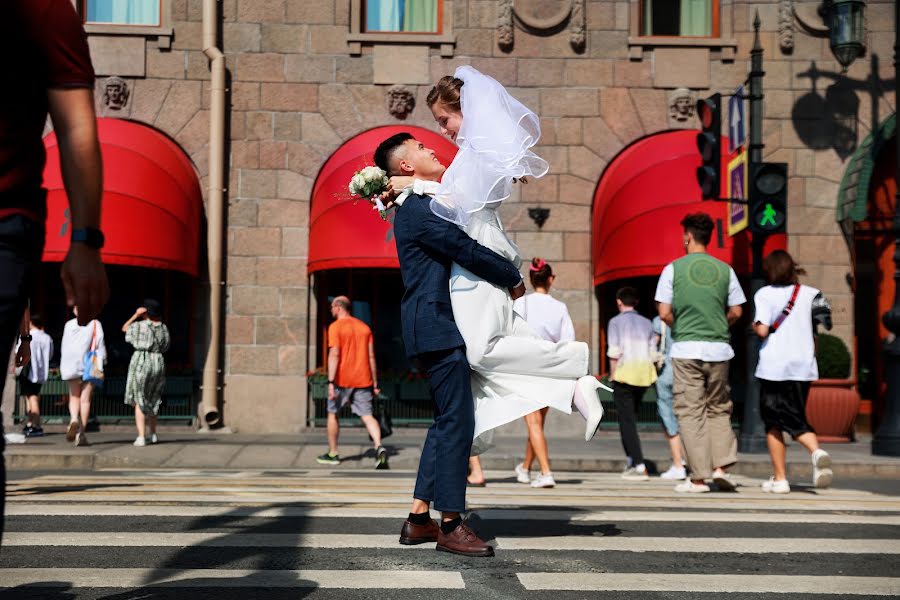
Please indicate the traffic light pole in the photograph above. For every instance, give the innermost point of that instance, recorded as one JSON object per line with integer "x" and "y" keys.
{"x": 753, "y": 435}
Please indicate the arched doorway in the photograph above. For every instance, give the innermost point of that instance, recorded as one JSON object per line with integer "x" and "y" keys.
{"x": 873, "y": 264}
{"x": 152, "y": 219}
{"x": 353, "y": 253}
{"x": 639, "y": 203}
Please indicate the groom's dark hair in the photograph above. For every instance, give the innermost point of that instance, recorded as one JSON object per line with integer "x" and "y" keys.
{"x": 385, "y": 150}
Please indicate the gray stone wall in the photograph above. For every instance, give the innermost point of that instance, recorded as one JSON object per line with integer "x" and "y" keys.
{"x": 297, "y": 93}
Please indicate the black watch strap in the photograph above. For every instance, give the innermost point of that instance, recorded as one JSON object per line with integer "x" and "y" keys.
{"x": 25, "y": 338}
{"x": 89, "y": 236}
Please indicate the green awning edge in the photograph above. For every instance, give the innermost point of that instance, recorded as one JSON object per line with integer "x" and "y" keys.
{"x": 853, "y": 195}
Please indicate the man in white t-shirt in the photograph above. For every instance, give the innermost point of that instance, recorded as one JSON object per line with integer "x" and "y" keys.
{"x": 787, "y": 365}
{"x": 700, "y": 298}
{"x": 34, "y": 374}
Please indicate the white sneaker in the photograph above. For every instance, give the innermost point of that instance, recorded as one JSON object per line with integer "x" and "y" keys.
{"x": 674, "y": 473}
{"x": 588, "y": 385}
{"x": 153, "y": 438}
{"x": 81, "y": 440}
{"x": 544, "y": 480}
{"x": 822, "y": 473}
{"x": 776, "y": 487}
{"x": 723, "y": 481}
{"x": 689, "y": 487}
{"x": 523, "y": 475}
{"x": 140, "y": 442}
{"x": 638, "y": 473}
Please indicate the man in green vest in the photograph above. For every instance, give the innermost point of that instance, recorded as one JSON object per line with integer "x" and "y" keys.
{"x": 700, "y": 298}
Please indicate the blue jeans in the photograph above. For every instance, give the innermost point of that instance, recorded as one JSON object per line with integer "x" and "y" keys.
{"x": 664, "y": 399}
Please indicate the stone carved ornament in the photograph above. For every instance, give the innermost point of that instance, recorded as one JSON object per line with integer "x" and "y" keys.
{"x": 681, "y": 104}
{"x": 400, "y": 101}
{"x": 115, "y": 93}
{"x": 541, "y": 16}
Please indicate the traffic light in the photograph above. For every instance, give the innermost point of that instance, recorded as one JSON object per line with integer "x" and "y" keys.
{"x": 768, "y": 197}
{"x": 708, "y": 143}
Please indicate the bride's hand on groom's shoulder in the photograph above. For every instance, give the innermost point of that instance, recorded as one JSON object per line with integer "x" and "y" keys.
{"x": 518, "y": 291}
{"x": 398, "y": 183}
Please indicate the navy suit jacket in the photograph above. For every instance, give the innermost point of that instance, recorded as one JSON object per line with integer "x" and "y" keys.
{"x": 427, "y": 246}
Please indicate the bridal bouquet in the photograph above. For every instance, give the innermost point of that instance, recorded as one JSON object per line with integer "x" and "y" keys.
{"x": 369, "y": 184}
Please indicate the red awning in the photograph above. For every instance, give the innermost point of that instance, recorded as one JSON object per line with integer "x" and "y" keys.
{"x": 642, "y": 197}
{"x": 152, "y": 203}
{"x": 344, "y": 233}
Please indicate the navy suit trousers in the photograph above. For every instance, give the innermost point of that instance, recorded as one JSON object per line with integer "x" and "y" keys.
{"x": 443, "y": 467}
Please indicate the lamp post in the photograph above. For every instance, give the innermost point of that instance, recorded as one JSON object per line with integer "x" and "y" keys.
{"x": 887, "y": 438}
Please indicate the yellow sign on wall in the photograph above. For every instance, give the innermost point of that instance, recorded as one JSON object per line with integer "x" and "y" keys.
{"x": 738, "y": 213}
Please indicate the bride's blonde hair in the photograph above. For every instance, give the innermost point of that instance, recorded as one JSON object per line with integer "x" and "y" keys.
{"x": 447, "y": 93}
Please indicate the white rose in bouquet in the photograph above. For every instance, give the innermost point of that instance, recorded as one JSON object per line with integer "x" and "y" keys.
{"x": 369, "y": 183}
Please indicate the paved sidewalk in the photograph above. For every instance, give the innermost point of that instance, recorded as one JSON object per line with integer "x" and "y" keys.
{"x": 187, "y": 449}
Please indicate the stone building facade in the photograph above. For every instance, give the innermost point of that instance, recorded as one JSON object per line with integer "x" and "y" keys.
{"x": 303, "y": 81}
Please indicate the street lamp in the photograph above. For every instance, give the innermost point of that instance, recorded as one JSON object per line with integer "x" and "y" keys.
{"x": 846, "y": 21}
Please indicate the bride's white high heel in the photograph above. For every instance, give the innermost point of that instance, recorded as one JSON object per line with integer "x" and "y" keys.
{"x": 588, "y": 404}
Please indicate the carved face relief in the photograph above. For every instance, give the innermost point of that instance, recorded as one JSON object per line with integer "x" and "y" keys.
{"x": 115, "y": 93}
{"x": 401, "y": 102}
{"x": 681, "y": 104}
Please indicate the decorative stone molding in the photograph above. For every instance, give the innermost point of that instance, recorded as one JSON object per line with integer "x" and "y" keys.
{"x": 681, "y": 105}
{"x": 525, "y": 14}
{"x": 115, "y": 93}
{"x": 786, "y": 26}
{"x": 400, "y": 101}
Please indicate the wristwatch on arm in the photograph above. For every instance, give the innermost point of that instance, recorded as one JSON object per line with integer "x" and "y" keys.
{"x": 89, "y": 236}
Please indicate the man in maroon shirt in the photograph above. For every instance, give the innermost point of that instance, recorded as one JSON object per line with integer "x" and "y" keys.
{"x": 47, "y": 70}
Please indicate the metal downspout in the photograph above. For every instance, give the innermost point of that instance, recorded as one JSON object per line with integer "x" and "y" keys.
{"x": 212, "y": 385}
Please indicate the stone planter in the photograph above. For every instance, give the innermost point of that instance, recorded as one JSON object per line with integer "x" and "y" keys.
{"x": 831, "y": 409}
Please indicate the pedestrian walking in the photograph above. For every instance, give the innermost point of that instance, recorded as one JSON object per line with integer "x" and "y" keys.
{"x": 149, "y": 336}
{"x": 664, "y": 379}
{"x": 630, "y": 341}
{"x": 352, "y": 378}
{"x": 700, "y": 298}
{"x": 77, "y": 342}
{"x": 549, "y": 318}
{"x": 787, "y": 365}
{"x": 34, "y": 373}
{"x": 48, "y": 58}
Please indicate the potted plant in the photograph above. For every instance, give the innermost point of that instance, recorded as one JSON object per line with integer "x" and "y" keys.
{"x": 833, "y": 401}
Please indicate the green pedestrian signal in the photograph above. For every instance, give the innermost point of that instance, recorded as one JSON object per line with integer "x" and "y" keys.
{"x": 768, "y": 216}
{"x": 767, "y": 198}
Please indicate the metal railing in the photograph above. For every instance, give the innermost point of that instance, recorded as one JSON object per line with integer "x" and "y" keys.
{"x": 108, "y": 403}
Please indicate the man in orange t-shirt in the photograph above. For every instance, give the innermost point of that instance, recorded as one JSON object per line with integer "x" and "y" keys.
{"x": 352, "y": 377}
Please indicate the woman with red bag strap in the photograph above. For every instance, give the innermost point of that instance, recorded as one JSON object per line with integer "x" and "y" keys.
{"x": 787, "y": 365}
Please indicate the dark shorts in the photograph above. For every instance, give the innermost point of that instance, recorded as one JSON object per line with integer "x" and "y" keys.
{"x": 782, "y": 405}
{"x": 28, "y": 387}
{"x": 360, "y": 400}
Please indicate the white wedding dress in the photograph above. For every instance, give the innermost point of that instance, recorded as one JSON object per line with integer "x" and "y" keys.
{"x": 514, "y": 371}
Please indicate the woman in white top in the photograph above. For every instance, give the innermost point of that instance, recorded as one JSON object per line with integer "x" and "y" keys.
{"x": 514, "y": 371}
{"x": 787, "y": 365}
{"x": 550, "y": 319}
{"x": 76, "y": 342}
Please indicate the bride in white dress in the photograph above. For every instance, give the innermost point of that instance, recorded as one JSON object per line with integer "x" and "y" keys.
{"x": 515, "y": 372}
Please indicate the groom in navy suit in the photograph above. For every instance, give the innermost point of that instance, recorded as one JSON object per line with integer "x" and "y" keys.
{"x": 427, "y": 246}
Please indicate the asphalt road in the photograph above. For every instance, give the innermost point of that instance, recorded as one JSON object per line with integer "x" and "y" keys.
{"x": 251, "y": 534}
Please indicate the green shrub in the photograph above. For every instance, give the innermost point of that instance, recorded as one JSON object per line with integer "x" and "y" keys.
{"x": 833, "y": 357}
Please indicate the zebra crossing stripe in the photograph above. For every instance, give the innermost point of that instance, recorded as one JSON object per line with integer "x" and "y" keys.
{"x": 681, "y": 545}
{"x": 230, "y": 578}
{"x": 755, "y": 584}
{"x": 499, "y": 514}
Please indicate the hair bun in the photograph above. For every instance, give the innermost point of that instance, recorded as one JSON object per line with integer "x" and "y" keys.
{"x": 537, "y": 264}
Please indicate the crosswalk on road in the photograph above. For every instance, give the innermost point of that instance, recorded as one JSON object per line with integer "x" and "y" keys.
{"x": 333, "y": 534}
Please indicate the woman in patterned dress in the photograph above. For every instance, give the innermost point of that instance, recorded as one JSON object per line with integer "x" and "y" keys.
{"x": 147, "y": 369}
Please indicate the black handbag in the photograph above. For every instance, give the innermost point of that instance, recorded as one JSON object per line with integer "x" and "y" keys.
{"x": 382, "y": 416}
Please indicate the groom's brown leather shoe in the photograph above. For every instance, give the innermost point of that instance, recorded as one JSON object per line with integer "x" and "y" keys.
{"x": 463, "y": 540}
{"x": 412, "y": 534}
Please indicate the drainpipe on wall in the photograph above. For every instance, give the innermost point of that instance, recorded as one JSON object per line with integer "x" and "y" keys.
{"x": 209, "y": 401}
